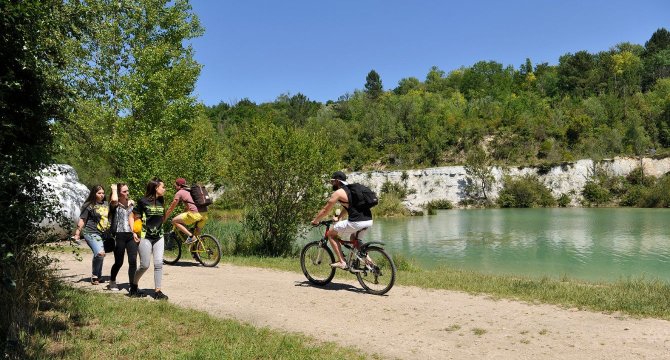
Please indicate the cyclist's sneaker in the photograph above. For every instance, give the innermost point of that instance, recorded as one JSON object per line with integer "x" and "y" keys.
{"x": 339, "y": 265}
{"x": 189, "y": 240}
{"x": 160, "y": 296}
{"x": 112, "y": 286}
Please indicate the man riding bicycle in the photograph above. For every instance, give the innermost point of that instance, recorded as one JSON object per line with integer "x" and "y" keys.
{"x": 358, "y": 220}
{"x": 192, "y": 215}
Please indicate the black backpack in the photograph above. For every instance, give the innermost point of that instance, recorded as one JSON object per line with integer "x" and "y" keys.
{"x": 200, "y": 196}
{"x": 362, "y": 197}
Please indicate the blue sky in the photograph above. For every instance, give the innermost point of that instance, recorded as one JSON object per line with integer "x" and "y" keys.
{"x": 324, "y": 49}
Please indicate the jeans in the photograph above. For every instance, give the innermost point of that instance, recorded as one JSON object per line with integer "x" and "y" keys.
{"x": 146, "y": 250}
{"x": 125, "y": 242}
{"x": 94, "y": 241}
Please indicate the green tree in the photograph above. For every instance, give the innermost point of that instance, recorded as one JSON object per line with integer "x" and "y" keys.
{"x": 626, "y": 68}
{"x": 135, "y": 75}
{"x": 656, "y": 57}
{"x": 436, "y": 81}
{"x": 297, "y": 108}
{"x": 279, "y": 173}
{"x": 406, "y": 85}
{"x": 373, "y": 84}
{"x": 32, "y": 97}
{"x": 576, "y": 73}
{"x": 481, "y": 179}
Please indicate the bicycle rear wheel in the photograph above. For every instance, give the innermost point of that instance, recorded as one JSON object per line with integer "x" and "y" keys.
{"x": 315, "y": 261}
{"x": 172, "y": 251}
{"x": 377, "y": 272}
{"x": 207, "y": 251}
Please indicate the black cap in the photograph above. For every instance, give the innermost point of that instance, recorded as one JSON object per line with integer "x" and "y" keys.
{"x": 339, "y": 175}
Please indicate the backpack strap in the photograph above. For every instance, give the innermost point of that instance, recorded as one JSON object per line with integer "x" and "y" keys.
{"x": 348, "y": 192}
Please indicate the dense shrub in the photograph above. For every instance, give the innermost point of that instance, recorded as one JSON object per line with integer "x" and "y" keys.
{"x": 525, "y": 192}
{"x": 439, "y": 204}
{"x": 564, "y": 200}
{"x": 390, "y": 205}
{"x": 31, "y": 101}
{"x": 637, "y": 177}
{"x": 595, "y": 194}
{"x": 398, "y": 190}
{"x": 657, "y": 195}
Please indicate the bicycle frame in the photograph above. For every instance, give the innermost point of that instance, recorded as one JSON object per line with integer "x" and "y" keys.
{"x": 193, "y": 247}
{"x": 347, "y": 243}
{"x": 357, "y": 248}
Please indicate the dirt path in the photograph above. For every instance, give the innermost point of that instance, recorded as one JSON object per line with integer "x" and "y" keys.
{"x": 409, "y": 323}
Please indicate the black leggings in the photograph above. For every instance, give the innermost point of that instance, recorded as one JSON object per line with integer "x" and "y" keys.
{"x": 124, "y": 241}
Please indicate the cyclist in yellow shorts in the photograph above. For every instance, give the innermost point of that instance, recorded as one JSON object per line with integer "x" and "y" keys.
{"x": 193, "y": 214}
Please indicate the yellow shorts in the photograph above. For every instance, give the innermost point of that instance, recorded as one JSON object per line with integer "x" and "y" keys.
{"x": 193, "y": 217}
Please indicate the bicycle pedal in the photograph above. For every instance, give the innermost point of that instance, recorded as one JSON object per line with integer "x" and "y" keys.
{"x": 356, "y": 270}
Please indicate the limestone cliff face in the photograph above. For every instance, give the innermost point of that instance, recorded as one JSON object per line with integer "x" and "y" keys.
{"x": 449, "y": 182}
{"x": 62, "y": 182}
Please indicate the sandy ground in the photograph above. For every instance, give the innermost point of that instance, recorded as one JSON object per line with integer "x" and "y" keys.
{"x": 407, "y": 323}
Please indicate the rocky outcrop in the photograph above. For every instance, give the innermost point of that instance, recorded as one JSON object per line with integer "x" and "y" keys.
{"x": 63, "y": 182}
{"x": 449, "y": 182}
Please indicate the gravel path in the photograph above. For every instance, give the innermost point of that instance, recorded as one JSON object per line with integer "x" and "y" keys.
{"x": 408, "y": 323}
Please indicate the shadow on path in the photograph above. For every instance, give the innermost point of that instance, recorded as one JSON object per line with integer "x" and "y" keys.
{"x": 331, "y": 286}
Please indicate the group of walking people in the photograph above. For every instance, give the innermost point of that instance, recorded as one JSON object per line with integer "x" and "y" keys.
{"x": 133, "y": 228}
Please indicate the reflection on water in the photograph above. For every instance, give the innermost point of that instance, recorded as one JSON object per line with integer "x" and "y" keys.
{"x": 592, "y": 244}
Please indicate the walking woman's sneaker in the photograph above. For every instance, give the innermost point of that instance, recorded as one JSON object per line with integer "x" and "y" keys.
{"x": 112, "y": 286}
{"x": 160, "y": 296}
{"x": 134, "y": 292}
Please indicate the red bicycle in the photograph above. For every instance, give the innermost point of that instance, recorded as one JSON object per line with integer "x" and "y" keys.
{"x": 372, "y": 266}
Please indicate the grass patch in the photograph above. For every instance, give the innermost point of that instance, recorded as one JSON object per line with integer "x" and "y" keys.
{"x": 90, "y": 325}
{"x": 453, "y": 327}
{"x": 478, "y": 331}
{"x": 225, "y": 215}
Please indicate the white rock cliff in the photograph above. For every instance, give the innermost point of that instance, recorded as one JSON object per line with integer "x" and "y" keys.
{"x": 449, "y": 182}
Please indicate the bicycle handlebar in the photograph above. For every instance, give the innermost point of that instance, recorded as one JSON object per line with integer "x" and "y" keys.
{"x": 324, "y": 223}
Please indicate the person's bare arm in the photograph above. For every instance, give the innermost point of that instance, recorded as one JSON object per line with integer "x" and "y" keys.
{"x": 80, "y": 226}
{"x": 174, "y": 203}
{"x": 334, "y": 198}
{"x": 115, "y": 196}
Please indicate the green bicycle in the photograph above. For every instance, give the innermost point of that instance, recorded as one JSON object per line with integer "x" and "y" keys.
{"x": 205, "y": 249}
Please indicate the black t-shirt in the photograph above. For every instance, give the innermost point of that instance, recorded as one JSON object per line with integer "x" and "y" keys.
{"x": 151, "y": 212}
{"x": 92, "y": 214}
{"x": 356, "y": 214}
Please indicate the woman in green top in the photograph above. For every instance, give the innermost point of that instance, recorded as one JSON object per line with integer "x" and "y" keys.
{"x": 151, "y": 210}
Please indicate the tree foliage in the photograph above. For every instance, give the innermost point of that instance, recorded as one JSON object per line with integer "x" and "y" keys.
{"x": 279, "y": 173}
{"x": 373, "y": 84}
{"x": 135, "y": 116}
{"x": 590, "y": 105}
{"x": 481, "y": 180}
{"x": 32, "y": 98}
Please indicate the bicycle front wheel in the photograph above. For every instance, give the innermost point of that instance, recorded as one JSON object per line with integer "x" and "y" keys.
{"x": 315, "y": 261}
{"x": 207, "y": 251}
{"x": 172, "y": 250}
{"x": 377, "y": 272}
